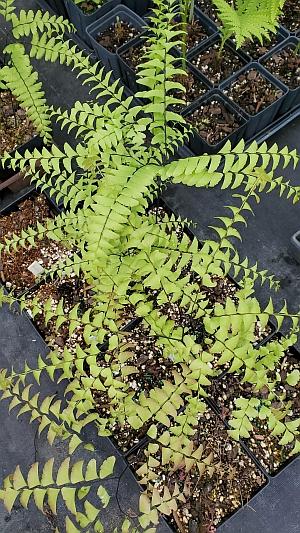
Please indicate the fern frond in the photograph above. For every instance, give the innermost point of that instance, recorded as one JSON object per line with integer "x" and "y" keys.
{"x": 23, "y": 82}
{"x": 246, "y": 19}
{"x": 35, "y": 22}
{"x": 7, "y": 9}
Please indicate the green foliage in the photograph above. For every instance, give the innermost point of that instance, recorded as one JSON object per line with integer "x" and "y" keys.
{"x": 22, "y": 81}
{"x": 248, "y": 19}
{"x": 18, "y": 75}
{"x": 71, "y": 483}
{"x": 7, "y": 9}
{"x": 134, "y": 259}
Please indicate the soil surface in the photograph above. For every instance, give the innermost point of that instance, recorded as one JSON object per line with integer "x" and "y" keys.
{"x": 14, "y": 265}
{"x": 213, "y": 121}
{"x": 255, "y": 49}
{"x": 88, "y": 6}
{"x": 226, "y": 485}
{"x": 151, "y": 369}
{"x": 15, "y": 128}
{"x": 196, "y": 33}
{"x": 253, "y": 92}
{"x": 133, "y": 55}
{"x": 208, "y": 9}
{"x": 285, "y": 65}
{"x": 72, "y": 290}
{"x": 217, "y": 66}
{"x": 116, "y": 35}
{"x": 265, "y": 446}
{"x": 194, "y": 88}
{"x": 291, "y": 15}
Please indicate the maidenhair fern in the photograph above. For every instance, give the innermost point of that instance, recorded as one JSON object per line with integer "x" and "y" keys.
{"x": 248, "y": 19}
{"x": 136, "y": 261}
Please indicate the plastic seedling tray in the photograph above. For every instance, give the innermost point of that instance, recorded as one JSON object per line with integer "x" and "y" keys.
{"x": 292, "y": 98}
{"x": 121, "y": 13}
{"x": 82, "y": 20}
{"x": 262, "y": 119}
{"x": 197, "y": 143}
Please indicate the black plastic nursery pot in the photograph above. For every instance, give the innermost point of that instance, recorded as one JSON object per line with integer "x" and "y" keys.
{"x": 225, "y": 111}
{"x": 215, "y": 67}
{"x": 206, "y": 25}
{"x": 290, "y": 19}
{"x": 261, "y": 50}
{"x": 33, "y": 192}
{"x": 119, "y": 14}
{"x": 58, "y": 6}
{"x": 133, "y": 50}
{"x": 30, "y": 193}
{"x": 140, "y": 7}
{"x": 208, "y": 10}
{"x": 12, "y": 178}
{"x": 82, "y": 20}
{"x": 261, "y": 119}
{"x": 291, "y": 79}
{"x": 192, "y": 515}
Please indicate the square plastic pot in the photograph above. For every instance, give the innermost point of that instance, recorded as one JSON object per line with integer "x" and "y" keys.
{"x": 82, "y": 20}
{"x": 11, "y": 178}
{"x": 209, "y": 43}
{"x": 128, "y": 75}
{"x": 282, "y": 35}
{"x": 58, "y": 6}
{"x": 292, "y": 98}
{"x": 264, "y": 118}
{"x": 140, "y": 7}
{"x": 210, "y": 28}
{"x": 110, "y": 59}
{"x": 199, "y": 145}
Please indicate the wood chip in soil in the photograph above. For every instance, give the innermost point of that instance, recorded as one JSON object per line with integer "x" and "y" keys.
{"x": 213, "y": 121}
{"x": 229, "y": 482}
{"x": 285, "y": 65}
{"x": 216, "y": 65}
{"x": 15, "y": 128}
{"x": 253, "y": 92}
{"x": 116, "y": 35}
{"x": 264, "y": 445}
